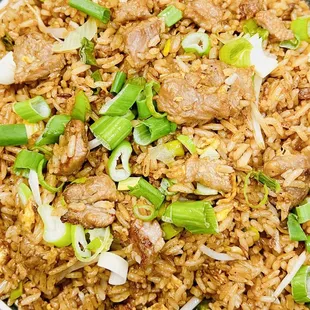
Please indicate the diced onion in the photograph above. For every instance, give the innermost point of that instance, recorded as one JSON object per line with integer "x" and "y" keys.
{"x": 117, "y": 265}
{"x": 215, "y": 255}
{"x": 7, "y": 69}
{"x": 34, "y": 185}
{"x": 191, "y": 304}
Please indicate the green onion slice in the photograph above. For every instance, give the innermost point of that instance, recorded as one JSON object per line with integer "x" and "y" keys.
{"x": 252, "y": 28}
{"x": 151, "y": 130}
{"x": 122, "y": 153}
{"x": 170, "y": 230}
{"x": 197, "y": 42}
{"x": 143, "y": 111}
{"x": 24, "y": 193}
{"x": 13, "y": 135}
{"x": 15, "y": 294}
{"x": 164, "y": 185}
{"x": 92, "y": 9}
{"x": 54, "y": 128}
{"x": 32, "y": 110}
{"x": 167, "y": 152}
{"x": 55, "y": 231}
{"x": 301, "y": 285}
{"x": 188, "y": 143}
{"x": 118, "y": 82}
{"x": 303, "y": 213}
{"x": 96, "y": 76}
{"x": 198, "y": 217}
{"x": 171, "y": 15}
{"x": 139, "y": 211}
{"x": 290, "y": 44}
{"x": 307, "y": 244}
{"x": 81, "y": 107}
{"x": 128, "y": 183}
{"x": 301, "y": 28}
{"x": 87, "y": 52}
{"x": 8, "y": 42}
{"x": 148, "y": 91}
{"x": 111, "y": 131}
{"x": 295, "y": 231}
{"x": 130, "y": 115}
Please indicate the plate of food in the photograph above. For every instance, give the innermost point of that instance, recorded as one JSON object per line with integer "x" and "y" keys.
{"x": 154, "y": 154}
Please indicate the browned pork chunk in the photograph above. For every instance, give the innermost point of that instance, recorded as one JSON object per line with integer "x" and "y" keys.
{"x": 139, "y": 38}
{"x": 294, "y": 195}
{"x": 34, "y": 58}
{"x": 274, "y": 25}
{"x": 147, "y": 240}
{"x": 204, "y": 13}
{"x": 91, "y": 204}
{"x": 280, "y": 164}
{"x": 132, "y": 10}
{"x": 248, "y": 8}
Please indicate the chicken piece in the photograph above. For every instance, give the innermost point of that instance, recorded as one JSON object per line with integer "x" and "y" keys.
{"x": 139, "y": 38}
{"x": 304, "y": 93}
{"x": 274, "y": 25}
{"x": 94, "y": 189}
{"x": 280, "y": 164}
{"x": 91, "y": 204}
{"x": 34, "y": 58}
{"x": 204, "y": 13}
{"x": 248, "y": 8}
{"x": 72, "y": 150}
{"x": 132, "y": 10}
{"x": 147, "y": 240}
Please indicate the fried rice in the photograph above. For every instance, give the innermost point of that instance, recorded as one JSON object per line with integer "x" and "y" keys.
{"x": 256, "y": 238}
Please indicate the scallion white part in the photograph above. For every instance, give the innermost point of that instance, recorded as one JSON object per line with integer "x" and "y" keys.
{"x": 117, "y": 265}
{"x": 191, "y": 304}
{"x": 215, "y": 255}
{"x": 94, "y": 143}
{"x": 204, "y": 190}
{"x": 7, "y": 69}
{"x": 34, "y": 185}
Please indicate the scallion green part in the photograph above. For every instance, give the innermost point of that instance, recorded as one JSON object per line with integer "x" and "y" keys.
{"x": 81, "y": 107}
{"x": 251, "y": 27}
{"x": 92, "y": 9}
{"x": 204, "y": 305}
{"x": 164, "y": 186}
{"x": 32, "y": 110}
{"x": 170, "y": 230}
{"x": 171, "y": 15}
{"x": 143, "y": 111}
{"x": 24, "y": 193}
{"x": 130, "y": 115}
{"x": 111, "y": 131}
{"x": 87, "y": 52}
{"x": 148, "y": 91}
{"x": 188, "y": 143}
{"x": 96, "y": 76}
{"x": 290, "y": 44}
{"x": 151, "y": 130}
{"x": 118, "y": 82}
{"x": 198, "y": 43}
{"x": 145, "y": 213}
{"x": 53, "y": 129}
{"x": 198, "y": 217}
{"x": 307, "y": 244}
{"x": 303, "y": 212}
{"x": 8, "y": 42}
{"x": 301, "y": 28}
{"x": 15, "y": 294}
{"x": 301, "y": 285}
{"x": 13, "y": 135}
{"x": 295, "y": 231}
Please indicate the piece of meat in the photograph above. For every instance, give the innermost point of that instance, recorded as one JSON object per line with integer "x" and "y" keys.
{"x": 206, "y": 172}
{"x": 139, "y": 38}
{"x": 34, "y": 58}
{"x": 248, "y": 8}
{"x": 99, "y": 215}
{"x": 147, "y": 240}
{"x": 204, "y": 13}
{"x": 296, "y": 195}
{"x": 304, "y": 93}
{"x": 94, "y": 189}
{"x": 274, "y": 25}
{"x": 132, "y": 10}
{"x": 71, "y": 152}
{"x": 280, "y": 164}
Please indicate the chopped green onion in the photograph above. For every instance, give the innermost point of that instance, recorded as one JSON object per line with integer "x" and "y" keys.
{"x": 252, "y": 28}
{"x": 92, "y": 9}
{"x": 96, "y": 76}
{"x": 301, "y": 285}
{"x": 139, "y": 210}
{"x": 130, "y": 115}
{"x": 167, "y": 152}
{"x": 198, "y": 217}
{"x": 164, "y": 185}
{"x": 170, "y": 231}
{"x": 188, "y": 143}
{"x": 301, "y": 28}
{"x": 54, "y": 128}
{"x": 26, "y": 161}
{"x": 123, "y": 101}
{"x": 122, "y": 152}
{"x": 303, "y": 213}
{"x": 128, "y": 183}
{"x": 13, "y": 134}
{"x": 100, "y": 240}
{"x": 307, "y": 244}
{"x": 87, "y": 52}
{"x": 79, "y": 180}
{"x": 171, "y": 15}
{"x": 151, "y": 130}
{"x": 198, "y": 43}
{"x": 204, "y": 305}
{"x": 118, "y": 82}
{"x": 8, "y": 42}
{"x": 111, "y": 131}
{"x": 24, "y": 193}
{"x": 81, "y": 107}
{"x": 290, "y": 44}
{"x": 143, "y": 111}
{"x": 42, "y": 149}
{"x": 295, "y": 231}
{"x": 266, "y": 180}
{"x": 15, "y": 294}
{"x": 32, "y": 110}
{"x": 55, "y": 231}
{"x": 237, "y": 53}
{"x": 148, "y": 91}
{"x": 43, "y": 183}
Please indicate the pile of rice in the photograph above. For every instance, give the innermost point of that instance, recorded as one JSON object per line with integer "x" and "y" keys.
{"x": 54, "y": 279}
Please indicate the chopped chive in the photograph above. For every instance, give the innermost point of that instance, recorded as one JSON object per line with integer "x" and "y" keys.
{"x": 118, "y": 82}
